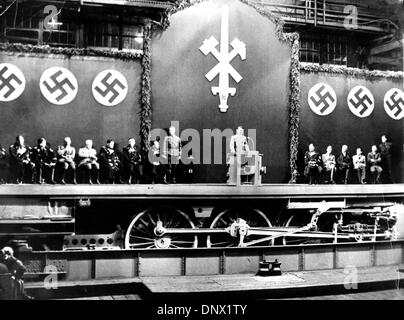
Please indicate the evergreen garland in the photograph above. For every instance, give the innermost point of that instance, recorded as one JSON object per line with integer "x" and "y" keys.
{"x": 69, "y": 52}
{"x": 178, "y": 6}
{"x": 355, "y": 72}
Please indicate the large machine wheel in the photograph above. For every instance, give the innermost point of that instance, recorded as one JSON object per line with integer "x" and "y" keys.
{"x": 253, "y": 218}
{"x": 143, "y": 231}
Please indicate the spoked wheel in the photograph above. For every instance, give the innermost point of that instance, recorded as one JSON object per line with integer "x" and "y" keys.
{"x": 145, "y": 230}
{"x": 252, "y": 218}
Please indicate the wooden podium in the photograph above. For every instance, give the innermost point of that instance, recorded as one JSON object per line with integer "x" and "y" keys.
{"x": 244, "y": 168}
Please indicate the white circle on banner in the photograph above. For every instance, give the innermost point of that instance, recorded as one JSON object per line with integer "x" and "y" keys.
{"x": 394, "y": 103}
{"x": 360, "y": 101}
{"x": 58, "y": 85}
{"x": 110, "y": 87}
{"x": 322, "y": 99}
{"x": 12, "y": 82}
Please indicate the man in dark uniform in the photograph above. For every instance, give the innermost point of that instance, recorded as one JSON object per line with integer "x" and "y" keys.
{"x": 45, "y": 160}
{"x": 374, "y": 158}
{"x": 386, "y": 153}
{"x": 344, "y": 164}
{"x": 20, "y": 160}
{"x": 132, "y": 162}
{"x": 119, "y": 155}
{"x": 109, "y": 162}
{"x": 312, "y": 160}
{"x": 4, "y": 165}
{"x": 16, "y": 269}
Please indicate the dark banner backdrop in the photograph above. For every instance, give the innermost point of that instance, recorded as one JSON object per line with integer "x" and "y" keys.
{"x": 181, "y": 92}
{"x": 342, "y": 126}
{"x": 83, "y": 118}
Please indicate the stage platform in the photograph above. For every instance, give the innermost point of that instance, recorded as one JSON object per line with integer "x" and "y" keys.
{"x": 200, "y": 191}
{"x": 289, "y": 284}
{"x": 222, "y": 287}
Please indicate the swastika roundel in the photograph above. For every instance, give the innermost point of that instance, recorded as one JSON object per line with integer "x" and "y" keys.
{"x": 394, "y": 103}
{"x": 110, "y": 88}
{"x": 12, "y": 82}
{"x": 58, "y": 85}
{"x": 322, "y": 99}
{"x": 361, "y": 102}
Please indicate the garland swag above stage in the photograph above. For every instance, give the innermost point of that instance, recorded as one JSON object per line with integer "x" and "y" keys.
{"x": 178, "y": 6}
{"x": 70, "y": 52}
{"x": 354, "y": 72}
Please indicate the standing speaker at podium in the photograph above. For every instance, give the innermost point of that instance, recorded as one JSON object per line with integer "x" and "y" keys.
{"x": 244, "y": 166}
{"x": 239, "y": 142}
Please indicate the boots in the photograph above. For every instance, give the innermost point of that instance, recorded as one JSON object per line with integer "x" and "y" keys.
{"x": 63, "y": 177}
{"x": 52, "y": 181}
{"x": 98, "y": 177}
{"x": 39, "y": 177}
{"x": 74, "y": 176}
{"x": 89, "y": 176}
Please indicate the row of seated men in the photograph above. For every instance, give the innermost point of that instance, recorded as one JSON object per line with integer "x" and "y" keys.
{"x": 327, "y": 168}
{"x": 24, "y": 164}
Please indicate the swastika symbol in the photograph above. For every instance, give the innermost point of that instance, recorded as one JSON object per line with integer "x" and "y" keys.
{"x": 12, "y": 82}
{"x": 58, "y": 85}
{"x": 110, "y": 87}
{"x": 394, "y": 103}
{"x": 322, "y": 99}
{"x": 361, "y": 101}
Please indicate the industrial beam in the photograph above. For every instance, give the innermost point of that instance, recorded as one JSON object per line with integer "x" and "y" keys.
{"x": 385, "y": 61}
{"x": 394, "y": 45}
{"x": 129, "y": 3}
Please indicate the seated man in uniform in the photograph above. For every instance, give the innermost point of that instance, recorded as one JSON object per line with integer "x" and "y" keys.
{"x": 20, "y": 161}
{"x": 312, "y": 160}
{"x": 172, "y": 149}
{"x": 359, "y": 163}
{"x": 88, "y": 161}
{"x": 4, "y": 165}
{"x": 132, "y": 167}
{"x": 45, "y": 161}
{"x": 329, "y": 164}
{"x": 16, "y": 269}
{"x": 109, "y": 162}
{"x": 66, "y": 154}
{"x": 344, "y": 164}
{"x": 374, "y": 159}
